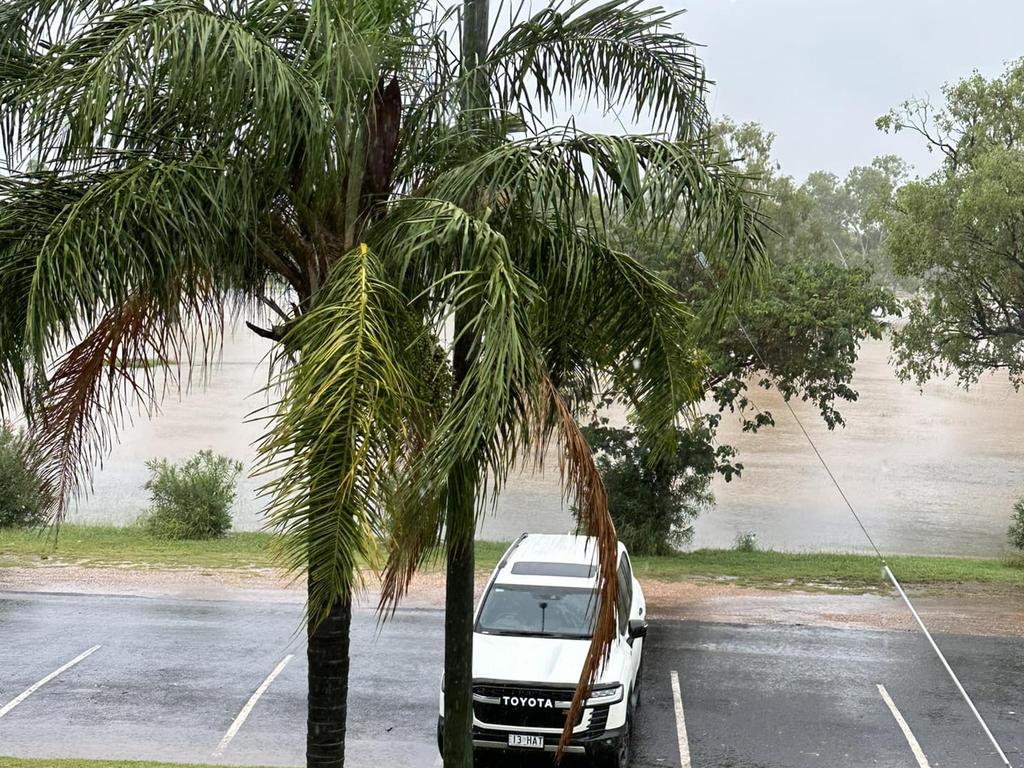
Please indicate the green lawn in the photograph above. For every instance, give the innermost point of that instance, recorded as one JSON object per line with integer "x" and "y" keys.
{"x": 802, "y": 569}
{"x": 109, "y": 545}
{"x": 99, "y": 545}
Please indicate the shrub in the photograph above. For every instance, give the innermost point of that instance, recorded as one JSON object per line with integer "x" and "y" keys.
{"x": 653, "y": 501}
{"x": 23, "y": 495}
{"x": 1017, "y": 526}
{"x": 745, "y": 542}
{"x": 191, "y": 500}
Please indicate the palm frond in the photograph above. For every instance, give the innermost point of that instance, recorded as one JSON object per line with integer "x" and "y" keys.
{"x": 736, "y": 257}
{"x": 15, "y": 54}
{"x": 89, "y": 243}
{"x": 336, "y": 435}
{"x": 611, "y": 324}
{"x": 617, "y": 53}
{"x": 414, "y": 536}
{"x": 573, "y": 176}
{"x": 143, "y": 75}
{"x": 124, "y": 361}
{"x": 479, "y": 281}
{"x": 661, "y": 186}
{"x": 637, "y": 330}
{"x": 493, "y": 295}
{"x": 581, "y": 481}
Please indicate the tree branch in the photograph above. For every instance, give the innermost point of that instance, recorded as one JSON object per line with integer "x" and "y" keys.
{"x": 276, "y": 263}
{"x": 275, "y": 334}
{"x": 272, "y": 305}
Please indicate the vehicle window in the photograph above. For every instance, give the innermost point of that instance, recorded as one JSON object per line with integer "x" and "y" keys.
{"x": 629, "y": 571}
{"x": 568, "y": 570}
{"x": 538, "y": 611}
{"x": 625, "y": 600}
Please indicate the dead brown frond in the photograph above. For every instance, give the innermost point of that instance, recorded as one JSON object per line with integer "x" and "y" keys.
{"x": 125, "y": 360}
{"x": 415, "y": 537}
{"x": 582, "y": 481}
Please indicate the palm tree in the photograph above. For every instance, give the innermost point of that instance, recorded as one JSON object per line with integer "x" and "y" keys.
{"x": 545, "y": 309}
{"x": 331, "y": 170}
{"x": 173, "y": 164}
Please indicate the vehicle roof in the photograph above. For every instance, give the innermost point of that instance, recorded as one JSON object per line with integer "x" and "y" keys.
{"x": 550, "y": 548}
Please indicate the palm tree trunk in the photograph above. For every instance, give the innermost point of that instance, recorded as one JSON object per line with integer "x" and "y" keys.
{"x": 462, "y": 480}
{"x": 458, "y": 619}
{"x": 475, "y": 17}
{"x": 460, "y": 522}
{"x": 327, "y": 652}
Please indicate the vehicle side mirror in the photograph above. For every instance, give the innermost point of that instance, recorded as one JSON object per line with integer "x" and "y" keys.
{"x": 637, "y": 628}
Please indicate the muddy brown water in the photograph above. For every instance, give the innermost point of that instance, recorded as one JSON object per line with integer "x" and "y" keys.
{"x": 932, "y": 471}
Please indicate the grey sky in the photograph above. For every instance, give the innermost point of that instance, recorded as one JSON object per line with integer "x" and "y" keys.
{"x": 818, "y": 72}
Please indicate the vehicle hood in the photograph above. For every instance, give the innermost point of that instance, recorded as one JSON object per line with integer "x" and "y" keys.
{"x": 537, "y": 659}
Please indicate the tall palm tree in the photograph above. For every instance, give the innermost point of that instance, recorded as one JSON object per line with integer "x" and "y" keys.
{"x": 330, "y": 170}
{"x": 172, "y": 164}
{"x": 545, "y": 308}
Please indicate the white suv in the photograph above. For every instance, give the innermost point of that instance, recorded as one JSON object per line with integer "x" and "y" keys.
{"x": 531, "y": 634}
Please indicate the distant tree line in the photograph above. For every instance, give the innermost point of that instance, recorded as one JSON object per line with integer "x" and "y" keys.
{"x": 830, "y": 287}
{"x": 950, "y": 244}
{"x": 960, "y": 231}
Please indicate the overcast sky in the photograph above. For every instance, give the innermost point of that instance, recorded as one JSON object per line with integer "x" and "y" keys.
{"x": 818, "y": 73}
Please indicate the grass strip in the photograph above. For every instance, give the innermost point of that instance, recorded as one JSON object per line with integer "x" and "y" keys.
{"x": 96, "y": 545}
{"x": 768, "y": 568}
{"x": 106, "y": 545}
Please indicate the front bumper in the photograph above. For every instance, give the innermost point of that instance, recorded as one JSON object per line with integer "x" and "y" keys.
{"x": 588, "y": 742}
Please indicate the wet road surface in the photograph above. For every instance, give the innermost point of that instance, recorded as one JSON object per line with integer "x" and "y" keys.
{"x": 170, "y": 680}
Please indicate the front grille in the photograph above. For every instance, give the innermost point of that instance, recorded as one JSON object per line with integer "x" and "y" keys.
{"x": 598, "y": 719}
{"x": 524, "y": 707}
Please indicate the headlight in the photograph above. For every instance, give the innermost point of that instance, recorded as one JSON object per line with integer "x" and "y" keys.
{"x": 605, "y": 695}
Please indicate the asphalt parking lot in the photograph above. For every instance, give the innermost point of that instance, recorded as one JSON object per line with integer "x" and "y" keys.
{"x": 198, "y": 681}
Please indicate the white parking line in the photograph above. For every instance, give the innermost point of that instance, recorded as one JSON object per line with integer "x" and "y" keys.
{"x": 922, "y": 761}
{"x": 247, "y": 709}
{"x": 684, "y": 740}
{"x": 33, "y": 688}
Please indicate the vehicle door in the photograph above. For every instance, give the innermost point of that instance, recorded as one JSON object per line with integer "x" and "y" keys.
{"x": 630, "y": 607}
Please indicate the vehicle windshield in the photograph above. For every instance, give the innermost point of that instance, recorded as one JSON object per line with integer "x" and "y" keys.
{"x": 538, "y": 611}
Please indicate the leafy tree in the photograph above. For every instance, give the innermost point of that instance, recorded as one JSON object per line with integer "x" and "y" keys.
{"x": 23, "y": 494}
{"x": 825, "y": 217}
{"x": 191, "y": 500}
{"x": 807, "y": 326}
{"x": 960, "y": 231}
{"x": 821, "y": 299}
{"x": 654, "y": 499}
{"x": 1016, "y": 530}
{"x": 849, "y": 212}
{"x": 800, "y": 332}
{"x": 336, "y": 173}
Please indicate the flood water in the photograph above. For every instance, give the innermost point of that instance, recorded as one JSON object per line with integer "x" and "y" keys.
{"x": 932, "y": 472}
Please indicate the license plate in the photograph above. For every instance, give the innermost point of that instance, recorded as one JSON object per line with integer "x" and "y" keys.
{"x": 527, "y": 740}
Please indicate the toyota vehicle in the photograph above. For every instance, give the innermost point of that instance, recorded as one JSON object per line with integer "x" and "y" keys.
{"x": 532, "y": 631}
